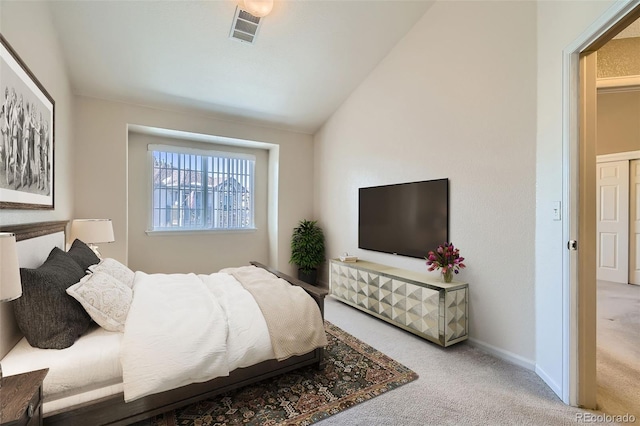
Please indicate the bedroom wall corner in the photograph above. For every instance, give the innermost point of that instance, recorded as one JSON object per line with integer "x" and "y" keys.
{"x": 40, "y": 51}
{"x": 102, "y": 160}
{"x": 461, "y": 107}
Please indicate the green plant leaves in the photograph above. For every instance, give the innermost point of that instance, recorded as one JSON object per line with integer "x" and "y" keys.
{"x": 307, "y": 245}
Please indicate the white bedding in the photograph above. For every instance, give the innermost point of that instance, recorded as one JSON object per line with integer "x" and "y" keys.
{"x": 93, "y": 362}
{"x": 248, "y": 341}
{"x": 185, "y": 328}
{"x": 217, "y": 328}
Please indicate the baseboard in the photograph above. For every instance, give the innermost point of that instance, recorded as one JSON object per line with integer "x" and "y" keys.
{"x": 549, "y": 381}
{"x": 505, "y": 355}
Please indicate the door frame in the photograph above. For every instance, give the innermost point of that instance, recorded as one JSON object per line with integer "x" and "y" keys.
{"x": 618, "y": 156}
{"x": 579, "y": 359}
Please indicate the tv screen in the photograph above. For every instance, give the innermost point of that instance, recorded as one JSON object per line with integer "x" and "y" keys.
{"x": 408, "y": 219}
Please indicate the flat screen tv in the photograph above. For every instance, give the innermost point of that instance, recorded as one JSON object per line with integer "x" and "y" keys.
{"x": 407, "y": 219}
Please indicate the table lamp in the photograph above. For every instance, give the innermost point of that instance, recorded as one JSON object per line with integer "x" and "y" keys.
{"x": 92, "y": 232}
{"x": 10, "y": 286}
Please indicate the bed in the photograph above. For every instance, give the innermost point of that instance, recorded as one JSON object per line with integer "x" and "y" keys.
{"x": 97, "y": 395}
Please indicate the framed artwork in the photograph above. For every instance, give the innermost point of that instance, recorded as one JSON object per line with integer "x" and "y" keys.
{"x": 26, "y": 144}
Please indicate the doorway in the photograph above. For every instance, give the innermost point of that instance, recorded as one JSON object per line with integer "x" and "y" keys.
{"x": 617, "y": 150}
{"x": 618, "y": 192}
{"x": 618, "y": 302}
{"x": 580, "y": 193}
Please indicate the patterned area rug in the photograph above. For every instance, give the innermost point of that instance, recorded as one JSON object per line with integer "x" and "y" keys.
{"x": 354, "y": 373}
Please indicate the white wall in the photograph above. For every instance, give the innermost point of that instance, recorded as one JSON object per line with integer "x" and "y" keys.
{"x": 101, "y": 161}
{"x": 559, "y": 24}
{"x": 41, "y": 53}
{"x": 455, "y": 98}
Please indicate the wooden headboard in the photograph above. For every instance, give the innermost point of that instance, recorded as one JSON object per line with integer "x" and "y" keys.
{"x": 35, "y": 241}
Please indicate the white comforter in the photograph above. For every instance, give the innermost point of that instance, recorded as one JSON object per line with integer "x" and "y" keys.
{"x": 187, "y": 328}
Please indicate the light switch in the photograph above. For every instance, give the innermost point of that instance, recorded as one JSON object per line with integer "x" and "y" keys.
{"x": 557, "y": 210}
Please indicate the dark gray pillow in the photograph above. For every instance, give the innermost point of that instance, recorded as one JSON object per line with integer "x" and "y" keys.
{"x": 47, "y": 316}
{"x": 83, "y": 255}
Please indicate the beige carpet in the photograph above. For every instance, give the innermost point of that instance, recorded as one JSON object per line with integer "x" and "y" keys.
{"x": 459, "y": 385}
{"x": 618, "y": 356}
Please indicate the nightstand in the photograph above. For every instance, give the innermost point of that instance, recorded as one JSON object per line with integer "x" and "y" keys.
{"x": 21, "y": 399}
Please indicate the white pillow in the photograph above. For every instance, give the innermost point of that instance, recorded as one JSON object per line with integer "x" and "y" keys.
{"x": 105, "y": 299}
{"x": 116, "y": 269}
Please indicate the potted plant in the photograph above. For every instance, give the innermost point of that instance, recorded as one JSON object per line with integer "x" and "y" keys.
{"x": 307, "y": 250}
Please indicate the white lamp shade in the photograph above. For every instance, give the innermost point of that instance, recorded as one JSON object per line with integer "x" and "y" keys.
{"x": 92, "y": 231}
{"x": 10, "y": 287}
{"x": 259, "y": 8}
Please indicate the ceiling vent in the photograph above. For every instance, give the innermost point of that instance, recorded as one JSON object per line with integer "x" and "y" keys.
{"x": 245, "y": 26}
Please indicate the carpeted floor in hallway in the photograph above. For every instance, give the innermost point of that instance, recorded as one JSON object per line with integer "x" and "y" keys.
{"x": 618, "y": 356}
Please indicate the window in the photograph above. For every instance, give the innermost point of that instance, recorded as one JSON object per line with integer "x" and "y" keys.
{"x": 201, "y": 190}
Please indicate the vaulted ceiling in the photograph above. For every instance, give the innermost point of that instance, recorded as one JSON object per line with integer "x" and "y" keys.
{"x": 309, "y": 55}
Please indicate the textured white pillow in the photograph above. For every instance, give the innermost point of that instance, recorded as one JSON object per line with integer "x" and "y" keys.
{"x": 105, "y": 299}
{"x": 115, "y": 269}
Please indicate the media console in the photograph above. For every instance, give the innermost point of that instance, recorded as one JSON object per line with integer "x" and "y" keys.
{"x": 418, "y": 303}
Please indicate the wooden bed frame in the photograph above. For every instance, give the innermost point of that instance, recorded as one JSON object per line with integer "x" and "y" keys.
{"x": 113, "y": 410}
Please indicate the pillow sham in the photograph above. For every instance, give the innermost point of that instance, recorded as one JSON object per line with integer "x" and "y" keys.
{"x": 116, "y": 269}
{"x": 47, "y": 316}
{"x": 106, "y": 299}
{"x": 83, "y": 255}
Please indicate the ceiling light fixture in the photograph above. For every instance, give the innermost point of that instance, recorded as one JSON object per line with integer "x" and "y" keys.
{"x": 259, "y": 8}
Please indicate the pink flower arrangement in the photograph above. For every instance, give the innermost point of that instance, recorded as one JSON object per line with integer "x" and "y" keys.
{"x": 447, "y": 257}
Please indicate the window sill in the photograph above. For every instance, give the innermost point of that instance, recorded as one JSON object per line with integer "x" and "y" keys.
{"x": 182, "y": 232}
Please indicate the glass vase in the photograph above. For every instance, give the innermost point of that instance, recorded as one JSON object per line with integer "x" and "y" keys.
{"x": 447, "y": 276}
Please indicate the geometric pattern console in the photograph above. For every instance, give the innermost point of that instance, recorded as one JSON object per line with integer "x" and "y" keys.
{"x": 436, "y": 311}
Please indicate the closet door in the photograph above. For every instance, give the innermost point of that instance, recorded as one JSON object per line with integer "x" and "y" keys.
{"x": 634, "y": 222}
{"x": 613, "y": 221}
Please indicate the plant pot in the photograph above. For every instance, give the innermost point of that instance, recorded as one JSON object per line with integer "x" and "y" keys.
{"x": 310, "y": 277}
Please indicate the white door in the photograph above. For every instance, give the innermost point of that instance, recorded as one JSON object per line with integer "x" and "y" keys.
{"x": 613, "y": 221}
{"x": 634, "y": 222}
